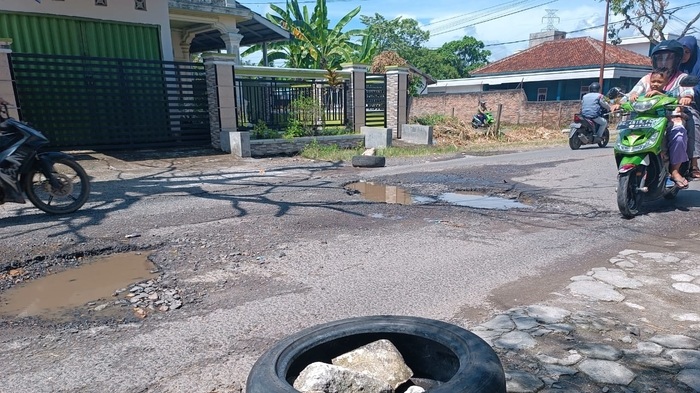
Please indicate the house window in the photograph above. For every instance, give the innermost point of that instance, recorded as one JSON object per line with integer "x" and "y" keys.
{"x": 584, "y": 91}
{"x": 101, "y": 2}
{"x": 140, "y": 5}
{"x": 542, "y": 94}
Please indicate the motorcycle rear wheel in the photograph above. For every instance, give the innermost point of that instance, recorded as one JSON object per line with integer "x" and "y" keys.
{"x": 574, "y": 142}
{"x": 69, "y": 197}
{"x": 606, "y": 138}
{"x": 628, "y": 198}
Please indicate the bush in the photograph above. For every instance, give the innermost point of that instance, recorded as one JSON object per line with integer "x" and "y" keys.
{"x": 431, "y": 119}
{"x": 260, "y": 131}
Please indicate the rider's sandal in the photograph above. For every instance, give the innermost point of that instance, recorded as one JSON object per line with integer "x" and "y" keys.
{"x": 682, "y": 184}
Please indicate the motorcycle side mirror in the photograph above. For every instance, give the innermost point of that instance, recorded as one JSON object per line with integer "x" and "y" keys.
{"x": 689, "y": 81}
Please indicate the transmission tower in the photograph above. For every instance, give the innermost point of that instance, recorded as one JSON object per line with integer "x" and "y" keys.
{"x": 550, "y": 20}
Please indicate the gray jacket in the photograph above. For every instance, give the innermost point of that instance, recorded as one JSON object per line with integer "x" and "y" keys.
{"x": 591, "y": 104}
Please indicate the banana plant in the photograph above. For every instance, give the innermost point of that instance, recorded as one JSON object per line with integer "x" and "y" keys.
{"x": 313, "y": 43}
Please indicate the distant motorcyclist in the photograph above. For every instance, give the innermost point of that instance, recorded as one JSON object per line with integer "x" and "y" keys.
{"x": 481, "y": 111}
{"x": 592, "y": 105}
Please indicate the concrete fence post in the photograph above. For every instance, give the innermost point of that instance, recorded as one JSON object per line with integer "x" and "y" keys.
{"x": 396, "y": 98}
{"x": 221, "y": 95}
{"x": 356, "y": 95}
{"x": 7, "y": 86}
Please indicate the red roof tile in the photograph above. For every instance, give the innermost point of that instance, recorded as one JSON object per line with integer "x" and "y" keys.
{"x": 563, "y": 54}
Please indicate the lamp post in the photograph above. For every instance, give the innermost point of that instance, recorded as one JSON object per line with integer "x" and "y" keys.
{"x": 605, "y": 42}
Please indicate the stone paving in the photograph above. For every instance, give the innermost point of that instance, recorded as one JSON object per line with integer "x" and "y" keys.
{"x": 605, "y": 334}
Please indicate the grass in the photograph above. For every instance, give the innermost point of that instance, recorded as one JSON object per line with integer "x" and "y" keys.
{"x": 451, "y": 136}
{"x": 320, "y": 152}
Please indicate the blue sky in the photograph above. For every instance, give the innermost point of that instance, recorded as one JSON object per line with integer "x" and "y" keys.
{"x": 504, "y": 26}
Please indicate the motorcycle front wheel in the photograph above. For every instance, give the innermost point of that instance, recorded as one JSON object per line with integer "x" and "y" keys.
{"x": 628, "y": 198}
{"x": 574, "y": 142}
{"x": 70, "y": 196}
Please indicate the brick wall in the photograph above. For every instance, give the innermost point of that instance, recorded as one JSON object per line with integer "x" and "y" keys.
{"x": 516, "y": 108}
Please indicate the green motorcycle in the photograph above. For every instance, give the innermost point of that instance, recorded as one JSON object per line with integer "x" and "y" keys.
{"x": 642, "y": 172}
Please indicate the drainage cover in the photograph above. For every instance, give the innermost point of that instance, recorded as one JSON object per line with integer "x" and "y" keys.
{"x": 75, "y": 287}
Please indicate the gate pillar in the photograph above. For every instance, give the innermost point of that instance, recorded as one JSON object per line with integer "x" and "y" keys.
{"x": 7, "y": 87}
{"x": 356, "y": 95}
{"x": 396, "y": 98}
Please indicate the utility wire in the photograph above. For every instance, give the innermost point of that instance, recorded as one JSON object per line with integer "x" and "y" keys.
{"x": 484, "y": 15}
{"x": 494, "y": 18}
{"x": 515, "y": 2}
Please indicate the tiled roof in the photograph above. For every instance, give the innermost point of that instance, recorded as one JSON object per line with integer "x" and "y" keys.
{"x": 567, "y": 53}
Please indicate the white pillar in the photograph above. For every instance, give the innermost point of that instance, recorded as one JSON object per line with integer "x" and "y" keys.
{"x": 233, "y": 44}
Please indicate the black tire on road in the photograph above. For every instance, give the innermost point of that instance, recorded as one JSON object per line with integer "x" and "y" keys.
{"x": 606, "y": 138}
{"x": 368, "y": 161}
{"x": 71, "y": 196}
{"x": 628, "y": 198}
{"x": 574, "y": 141}
{"x": 433, "y": 349}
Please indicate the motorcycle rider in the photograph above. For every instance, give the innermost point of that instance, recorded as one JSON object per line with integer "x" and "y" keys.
{"x": 690, "y": 64}
{"x": 668, "y": 54}
{"x": 481, "y": 111}
{"x": 592, "y": 105}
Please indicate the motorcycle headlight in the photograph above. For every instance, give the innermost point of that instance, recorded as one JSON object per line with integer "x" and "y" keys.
{"x": 645, "y": 105}
{"x": 653, "y": 138}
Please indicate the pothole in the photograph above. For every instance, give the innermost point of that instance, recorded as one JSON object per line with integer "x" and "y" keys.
{"x": 397, "y": 195}
{"x": 481, "y": 201}
{"x": 90, "y": 282}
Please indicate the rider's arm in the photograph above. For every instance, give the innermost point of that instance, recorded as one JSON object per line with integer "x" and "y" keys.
{"x": 603, "y": 104}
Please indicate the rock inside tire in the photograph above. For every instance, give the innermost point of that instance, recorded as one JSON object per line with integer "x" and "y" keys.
{"x": 368, "y": 161}
{"x": 460, "y": 360}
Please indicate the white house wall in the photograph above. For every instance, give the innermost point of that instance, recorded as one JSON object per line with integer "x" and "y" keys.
{"x": 116, "y": 10}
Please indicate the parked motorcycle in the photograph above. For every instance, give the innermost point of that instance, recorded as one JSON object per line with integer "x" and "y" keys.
{"x": 583, "y": 132}
{"x": 643, "y": 174}
{"x": 52, "y": 181}
{"x": 488, "y": 120}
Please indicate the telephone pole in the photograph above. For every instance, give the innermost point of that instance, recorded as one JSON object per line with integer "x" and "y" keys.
{"x": 605, "y": 42}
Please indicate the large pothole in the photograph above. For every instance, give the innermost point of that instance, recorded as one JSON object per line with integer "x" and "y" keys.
{"x": 377, "y": 192}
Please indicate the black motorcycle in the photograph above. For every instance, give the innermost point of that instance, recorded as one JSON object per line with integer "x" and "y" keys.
{"x": 52, "y": 181}
{"x": 583, "y": 132}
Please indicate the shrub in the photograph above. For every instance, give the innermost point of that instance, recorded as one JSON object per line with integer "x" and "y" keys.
{"x": 431, "y": 119}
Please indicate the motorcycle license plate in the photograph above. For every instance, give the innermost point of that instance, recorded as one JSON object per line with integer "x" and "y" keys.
{"x": 637, "y": 124}
{"x": 575, "y": 125}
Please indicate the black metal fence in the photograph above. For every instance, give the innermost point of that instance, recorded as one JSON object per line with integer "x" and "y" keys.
{"x": 275, "y": 102}
{"x": 109, "y": 103}
{"x": 375, "y": 100}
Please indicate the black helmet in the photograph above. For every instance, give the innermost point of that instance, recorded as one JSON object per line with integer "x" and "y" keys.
{"x": 668, "y": 53}
{"x": 594, "y": 87}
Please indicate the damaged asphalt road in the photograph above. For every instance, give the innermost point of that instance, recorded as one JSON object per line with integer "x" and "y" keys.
{"x": 259, "y": 249}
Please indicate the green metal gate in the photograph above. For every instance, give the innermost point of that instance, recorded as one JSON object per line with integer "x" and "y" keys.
{"x": 55, "y": 35}
{"x": 107, "y": 103}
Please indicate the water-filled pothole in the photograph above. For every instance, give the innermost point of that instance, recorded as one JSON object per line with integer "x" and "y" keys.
{"x": 89, "y": 282}
{"x": 481, "y": 201}
{"x": 392, "y": 194}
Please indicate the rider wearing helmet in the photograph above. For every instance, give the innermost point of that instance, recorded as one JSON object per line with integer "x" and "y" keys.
{"x": 481, "y": 111}
{"x": 592, "y": 105}
{"x": 667, "y": 55}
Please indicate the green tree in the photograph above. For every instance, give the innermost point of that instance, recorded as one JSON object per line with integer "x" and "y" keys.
{"x": 648, "y": 17}
{"x": 314, "y": 44}
{"x": 399, "y": 35}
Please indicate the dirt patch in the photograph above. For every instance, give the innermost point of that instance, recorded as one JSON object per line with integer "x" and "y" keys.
{"x": 452, "y": 131}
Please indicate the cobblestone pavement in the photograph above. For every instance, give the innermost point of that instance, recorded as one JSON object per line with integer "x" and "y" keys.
{"x": 603, "y": 333}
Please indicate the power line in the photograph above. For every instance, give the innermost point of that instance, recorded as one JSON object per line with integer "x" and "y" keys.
{"x": 494, "y": 18}
{"x": 515, "y": 2}
{"x": 481, "y": 16}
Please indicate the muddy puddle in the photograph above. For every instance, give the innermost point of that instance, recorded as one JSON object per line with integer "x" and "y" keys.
{"x": 89, "y": 282}
{"x": 376, "y": 192}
